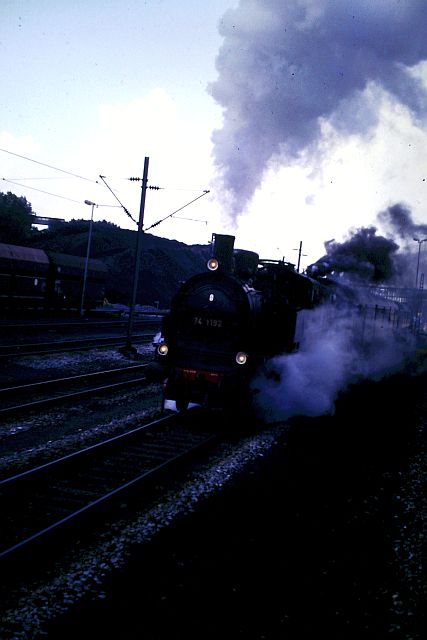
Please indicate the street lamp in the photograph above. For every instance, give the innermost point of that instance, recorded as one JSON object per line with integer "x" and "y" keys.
{"x": 87, "y": 257}
{"x": 418, "y": 261}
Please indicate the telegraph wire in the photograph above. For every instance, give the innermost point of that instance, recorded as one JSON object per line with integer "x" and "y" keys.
{"x": 122, "y": 205}
{"x": 190, "y": 219}
{"x": 135, "y": 179}
{"x": 52, "y": 194}
{"x": 148, "y": 186}
{"x": 205, "y": 192}
{"x": 41, "y": 191}
{"x": 75, "y": 175}
{"x": 42, "y": 178}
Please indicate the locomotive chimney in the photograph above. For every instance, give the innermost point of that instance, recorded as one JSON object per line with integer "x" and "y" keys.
{"x": 222, "y": 250}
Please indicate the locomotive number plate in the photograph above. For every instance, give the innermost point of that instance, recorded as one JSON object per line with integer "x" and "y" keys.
{"x": 207, "y": 322}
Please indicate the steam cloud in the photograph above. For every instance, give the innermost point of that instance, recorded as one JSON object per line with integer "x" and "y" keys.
{"x": 286, "y": 66}
{"x": 339, "y": 345}
{"x": 337, "y": 350}
{"x": 284, "y": 69}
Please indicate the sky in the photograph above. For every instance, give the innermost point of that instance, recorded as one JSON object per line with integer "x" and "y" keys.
{"x": 304, "y": 119}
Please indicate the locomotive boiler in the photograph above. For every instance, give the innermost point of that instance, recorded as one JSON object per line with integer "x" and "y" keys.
{"x": 225, "y": 323}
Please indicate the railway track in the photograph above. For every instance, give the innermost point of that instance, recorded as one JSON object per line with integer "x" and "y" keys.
{"x": 23, "y": 339}
{"x": 72, "y": 325}
{"x": 39, "y": 395}
{"x": 61, "y": 346}
{"x": 42, "y": 503}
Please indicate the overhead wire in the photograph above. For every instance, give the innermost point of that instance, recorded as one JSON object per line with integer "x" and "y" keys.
{"x": 56, "y": 195}
{"x": 40, "y": 190}
{"x": 122, "y": 205}
{"x": 75, "y": 175}
{"x": 205, "y": 192}
{"x": 42, "y": 178}
{"x": 190, "y": 219}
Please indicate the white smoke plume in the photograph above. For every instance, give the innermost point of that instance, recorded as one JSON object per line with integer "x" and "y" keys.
{"x": 287, "y": 67}
{"x": 338, "y": 348}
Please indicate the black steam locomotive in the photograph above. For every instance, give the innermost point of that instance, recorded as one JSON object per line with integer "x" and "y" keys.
{"x": 33, "y": 279}
{"x": 224, "y": 323}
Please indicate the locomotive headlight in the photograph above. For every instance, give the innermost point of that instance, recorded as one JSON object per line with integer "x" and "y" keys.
{"x": 241, "y": 357}
{"x": 162, "y": 349}
{"x": 213, "y": 264}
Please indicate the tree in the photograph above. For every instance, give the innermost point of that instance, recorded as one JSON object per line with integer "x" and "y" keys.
{"x": 15, "y": 219}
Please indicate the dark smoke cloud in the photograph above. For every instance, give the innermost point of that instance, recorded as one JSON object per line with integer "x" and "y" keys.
{"x": 398, "y": 219}
{"x": 286, "y": 65}
{"x": 366, "y": 257}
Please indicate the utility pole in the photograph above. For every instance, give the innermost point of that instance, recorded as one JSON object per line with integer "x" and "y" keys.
{"x": 418, "y": 261}
{"x": 87, "y": 258}
{"x": 137, "y": 255}
{"x": 299, "y": 255}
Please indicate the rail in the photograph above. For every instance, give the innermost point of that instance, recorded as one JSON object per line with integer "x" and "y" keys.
{"x": 89, "y": 382}
{"x": 42, "y": 500}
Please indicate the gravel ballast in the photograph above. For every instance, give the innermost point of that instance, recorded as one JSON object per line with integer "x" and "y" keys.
{"x": 316, "y": 527}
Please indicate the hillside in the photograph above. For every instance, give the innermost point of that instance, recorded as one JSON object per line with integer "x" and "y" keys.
{"x": 164, "y": 263}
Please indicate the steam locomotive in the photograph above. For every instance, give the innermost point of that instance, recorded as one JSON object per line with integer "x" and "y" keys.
{"x": 36, "y": 279}
{"x": 226, "y": 322}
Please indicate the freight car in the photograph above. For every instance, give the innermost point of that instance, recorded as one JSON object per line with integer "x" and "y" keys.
{"x": 33, "y": 279}
{"x": 223, "y": 324}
